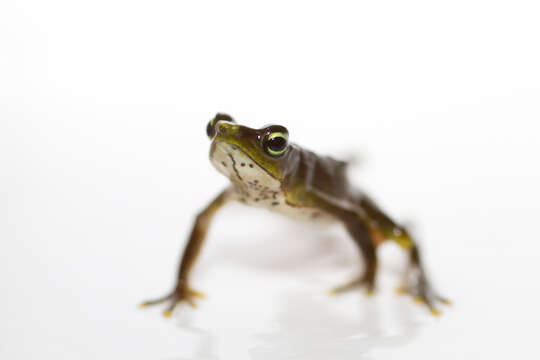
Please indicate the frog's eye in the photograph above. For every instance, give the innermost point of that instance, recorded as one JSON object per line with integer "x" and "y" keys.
{"x": 211, "y": 129}
{"x": 276, "y": 143}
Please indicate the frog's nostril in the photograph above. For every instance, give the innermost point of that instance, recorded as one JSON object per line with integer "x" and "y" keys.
{"x": 225, "y": 128}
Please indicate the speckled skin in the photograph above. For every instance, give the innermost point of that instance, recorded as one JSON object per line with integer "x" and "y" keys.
{"x": 267, "y": 171}
{"x": 253, "y": 186}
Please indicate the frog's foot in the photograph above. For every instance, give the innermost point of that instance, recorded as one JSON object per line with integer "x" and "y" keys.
{"x": 362, "y": 281}
{"x": 179, "y": 295}
{"x": 423, "y": 293}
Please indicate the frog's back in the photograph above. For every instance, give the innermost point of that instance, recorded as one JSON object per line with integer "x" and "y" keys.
{"x": 309, "y": 171}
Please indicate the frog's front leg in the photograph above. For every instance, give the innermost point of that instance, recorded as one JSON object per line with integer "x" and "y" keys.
{"x": 182, "y": 290}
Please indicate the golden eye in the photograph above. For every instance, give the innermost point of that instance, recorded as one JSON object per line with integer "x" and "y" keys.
{"x": 276, "y": 143}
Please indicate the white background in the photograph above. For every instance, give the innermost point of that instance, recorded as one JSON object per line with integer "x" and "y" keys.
{"x": 103, "y": 163}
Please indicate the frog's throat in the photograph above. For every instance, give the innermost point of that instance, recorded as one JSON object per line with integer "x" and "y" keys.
{"x": 228, "y": 149}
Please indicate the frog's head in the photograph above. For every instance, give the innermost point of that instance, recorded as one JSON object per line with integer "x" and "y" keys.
{"x": 244, "y": 154}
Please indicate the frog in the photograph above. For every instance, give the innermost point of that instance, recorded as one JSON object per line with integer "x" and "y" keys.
{"x": 268, "y": 171}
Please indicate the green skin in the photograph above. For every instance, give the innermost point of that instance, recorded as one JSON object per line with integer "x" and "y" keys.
{"x": 266, "y": 171}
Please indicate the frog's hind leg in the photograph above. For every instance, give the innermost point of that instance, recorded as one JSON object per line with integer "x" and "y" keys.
{"x": 417, "y": 284}
{"x": 362, "y": 237}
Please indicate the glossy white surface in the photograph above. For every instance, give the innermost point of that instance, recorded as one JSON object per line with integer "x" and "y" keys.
{"x": 103, "y": 164}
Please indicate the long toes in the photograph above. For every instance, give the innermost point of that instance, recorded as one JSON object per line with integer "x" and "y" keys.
{"x": 191, "y": 302}
{"x": 424, "y": 300}
{"x": 352, "y": 285}
{"x": 434, "y": 311}
{"x": 174, "y": 301}
{"x": 196, "y": 294}
{"x": 428, "y": 298}
{"x": 343, "y": 288}
{"x": 402, "y": 290}
{"x": 444, "y": 300}
{"x": 156, "y": 301}
{"x": 370, "y": 292}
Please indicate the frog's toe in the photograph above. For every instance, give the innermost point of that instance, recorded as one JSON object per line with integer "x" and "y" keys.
{"x": 156, "y": 301}
{"x": 360, "y": 282}
{"x": 428, "y": 301}
{"x": 197, "y": 294}
{"x": 179, "y": 295}
{"x": 424, "y": 295}
{"x": 401, "y": 290}
{"x": 444, "y": 300}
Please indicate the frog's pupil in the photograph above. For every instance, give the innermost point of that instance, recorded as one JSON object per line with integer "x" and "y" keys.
{"x": 278, "y": 143}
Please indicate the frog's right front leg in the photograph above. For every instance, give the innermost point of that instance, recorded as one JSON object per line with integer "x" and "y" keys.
{"x": 182, "y": 291}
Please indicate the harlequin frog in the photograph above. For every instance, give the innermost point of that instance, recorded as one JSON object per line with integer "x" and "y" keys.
{"x": 266, "y": 170}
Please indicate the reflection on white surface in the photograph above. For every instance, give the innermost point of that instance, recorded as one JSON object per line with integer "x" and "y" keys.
{"x": 309, "y": 329}
{"x": 313, "y": 330}
{"x": 205, "y": 348}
